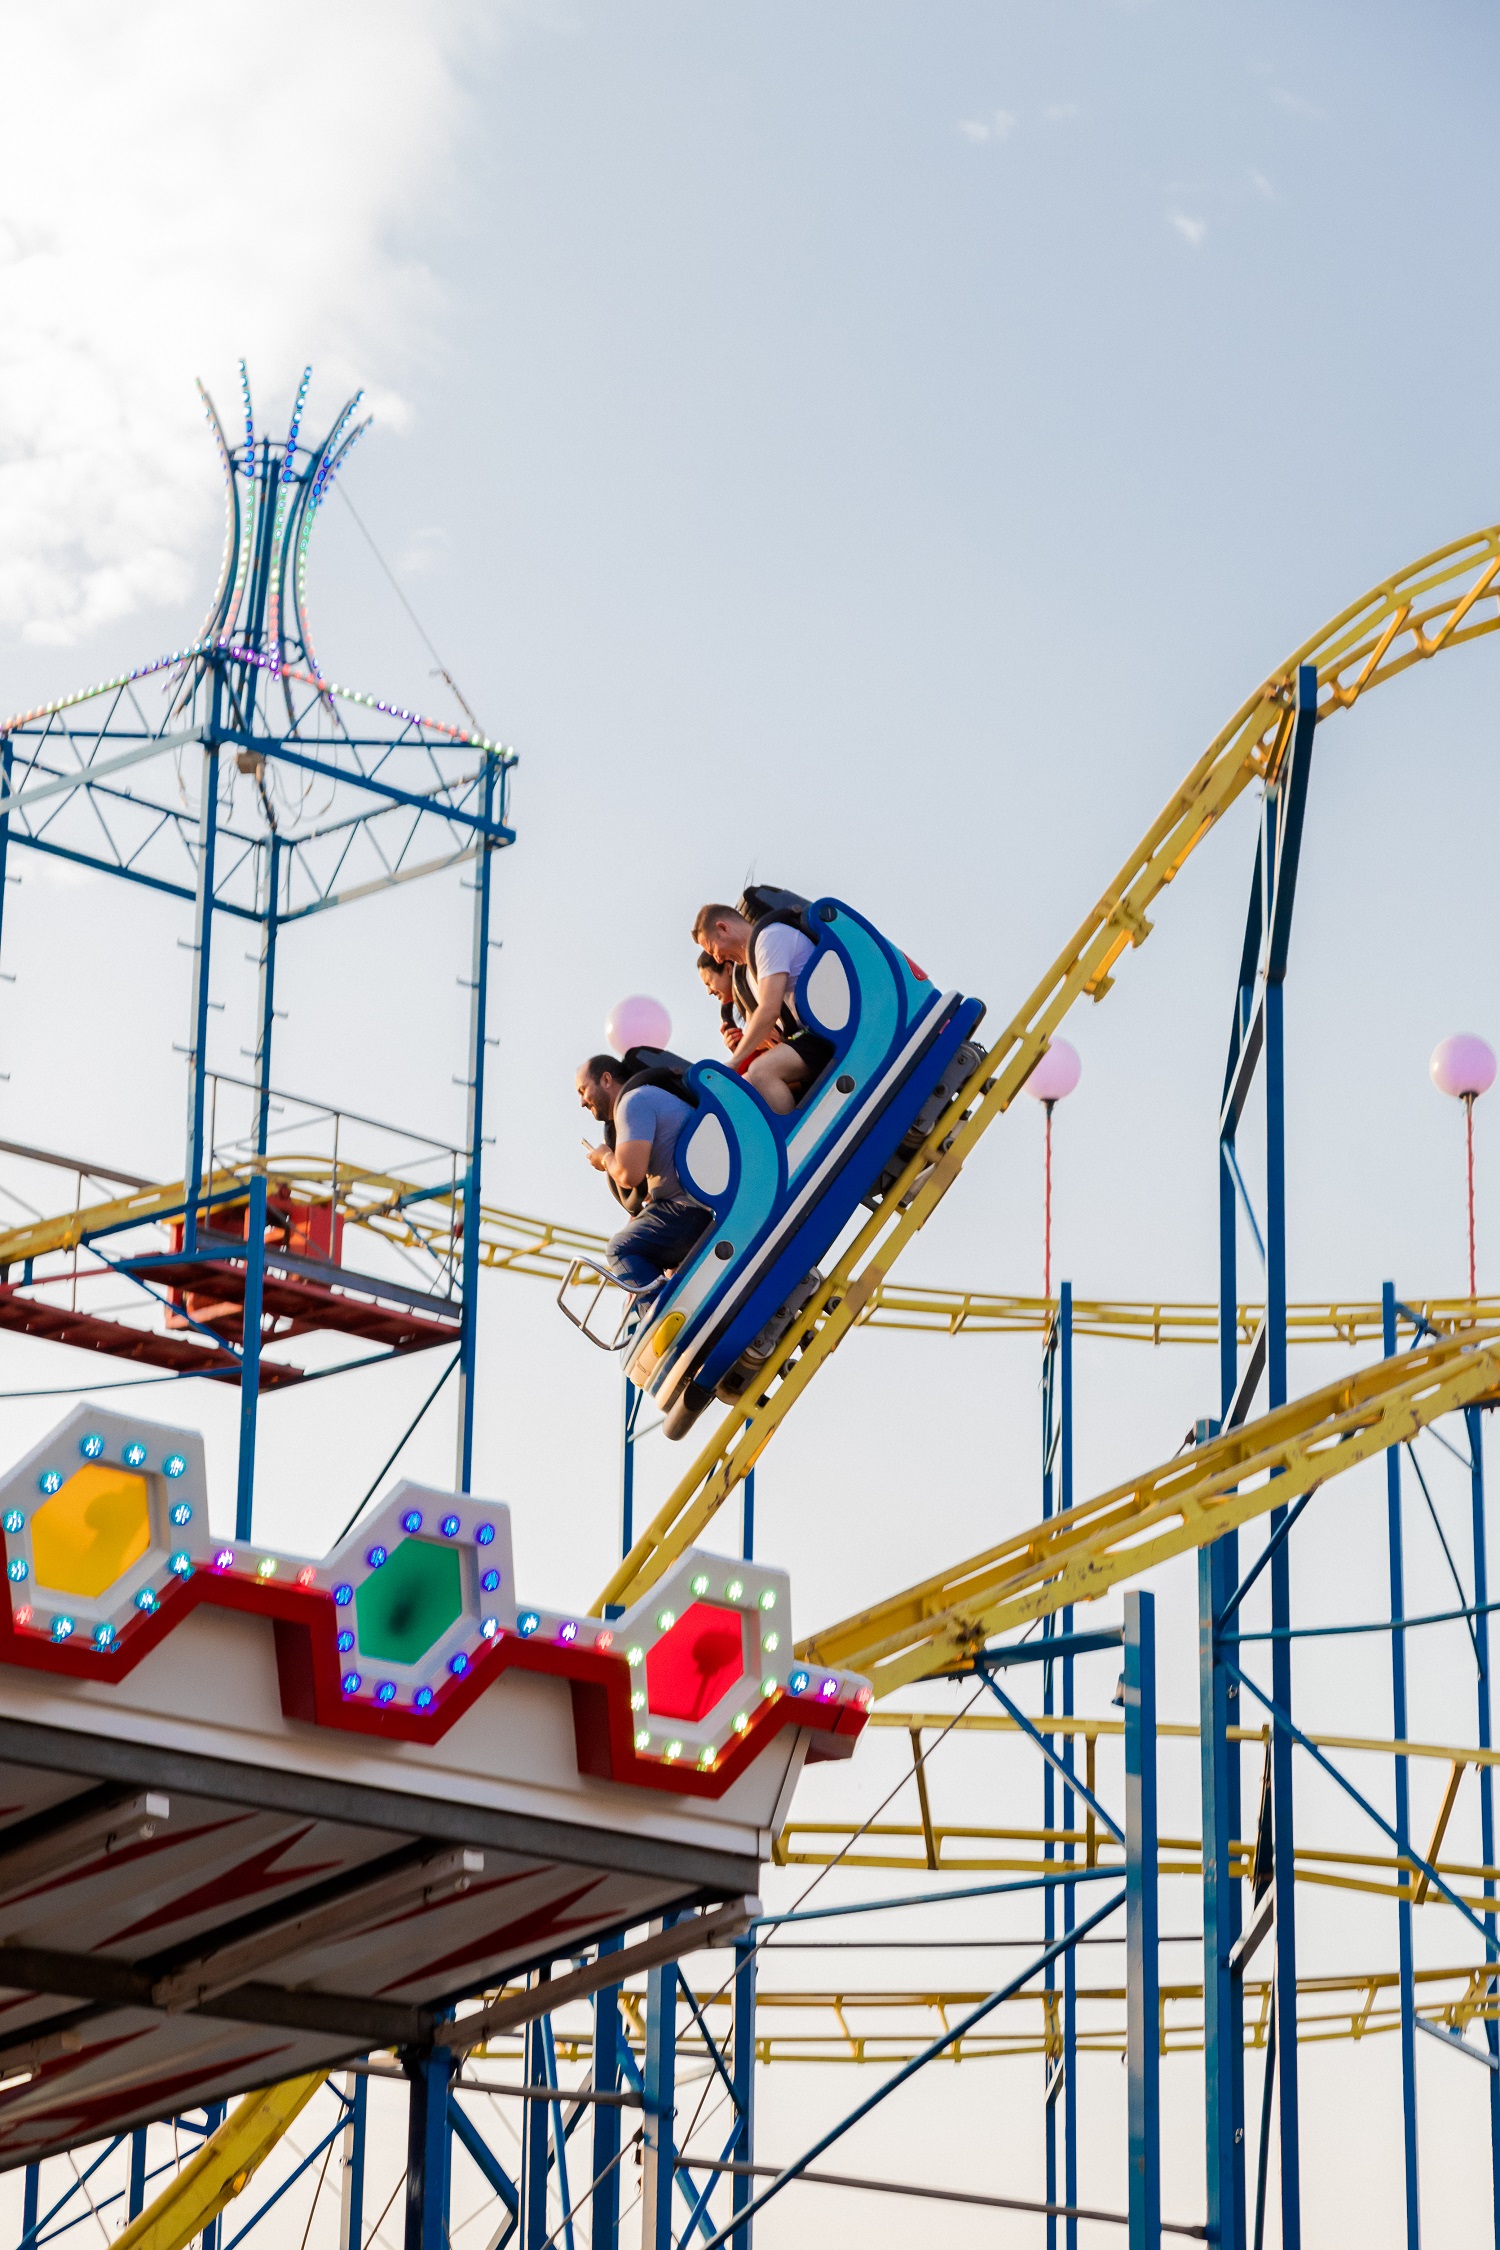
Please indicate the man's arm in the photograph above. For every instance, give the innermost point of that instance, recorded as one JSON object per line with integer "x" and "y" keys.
{"x": 628, "y": 1164}
{"x": 762, "y": 1025}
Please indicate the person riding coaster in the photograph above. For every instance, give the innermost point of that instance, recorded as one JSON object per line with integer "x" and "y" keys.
{"x": 780, "y": 1183}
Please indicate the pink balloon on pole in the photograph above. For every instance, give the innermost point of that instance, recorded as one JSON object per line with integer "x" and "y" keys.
{"x": 1057, "y": 1073}
{"x": 637, "y": 1022}
{"x": 1463, "y": 1065}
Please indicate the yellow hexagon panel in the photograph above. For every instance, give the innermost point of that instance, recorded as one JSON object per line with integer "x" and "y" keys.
{"x": 91, "y": 1530}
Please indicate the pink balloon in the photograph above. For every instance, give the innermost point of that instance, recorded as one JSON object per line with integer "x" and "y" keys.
{"x": 1463, "y": 1065}
{"x": 1056, "y": 1074}
{"x": 637, "y": 1022}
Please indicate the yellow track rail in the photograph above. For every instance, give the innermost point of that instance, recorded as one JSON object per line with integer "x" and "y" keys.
{"x": 1441, "y": 602}
{"x": 221, "y": 2169}
{"x": 513, "y": 1242}
{"x": 1080, "y": 1554}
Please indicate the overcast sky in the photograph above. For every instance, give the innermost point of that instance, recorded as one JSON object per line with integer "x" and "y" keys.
{"x": 871, "y": 445}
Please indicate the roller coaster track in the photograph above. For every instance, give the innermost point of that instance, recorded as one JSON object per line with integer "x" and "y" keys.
{"x": 425, "y": 1222}
{"x": 1444, "y": 601}
{"x": 222, "y": 2167}
{"x": 1187, "y": 1502}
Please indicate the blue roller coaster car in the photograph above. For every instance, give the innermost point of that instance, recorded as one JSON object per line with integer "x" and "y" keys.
{"x": 782, "y": 1188}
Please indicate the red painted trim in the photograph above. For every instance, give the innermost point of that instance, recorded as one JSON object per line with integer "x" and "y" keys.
{"x": 310, "y": 1673}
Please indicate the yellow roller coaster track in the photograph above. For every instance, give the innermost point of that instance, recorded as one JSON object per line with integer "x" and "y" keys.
{"x": 221, "y": 2169}
{"x": 1441, "y": 602}
{"x": 513, "y": 1242}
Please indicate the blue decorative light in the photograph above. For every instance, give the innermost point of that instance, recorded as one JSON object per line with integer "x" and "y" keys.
{"x": 173, "y": 1466}
{"x": 458, "y": 1665}
{"x": 49, "y": 1481}
{"x": 343, "y": 1596}
{"x": 91, "y": 1446}
{"x": 490, "y": 1628}
{"x": 134, "y": 1456}
{"x": 797, "y": 1682}
{"x": 181, "y": 1512}
{"x": 422, "y": 1698}
{"x": 412, "y": 1520}
{"x": 483, "y": 1534}
{"x": 182, "y": 1564}
{"x": 351, "y": 1683}
{"x": 490, "y": 1581}
{"x": 62, "y": 1628}
{"x": 375, "y": 1556}
{"x": 527, "y": 1623}
{"x": 386, "y": 1692}
{"x": 104, "y": 1636}
{"x": 449, "y": 1527}
{"x": 345, "y": 1643}
{"x": 145, "y": 1601}
{"x": 15, "y": 1570}
{"x": 14, "y": 1520}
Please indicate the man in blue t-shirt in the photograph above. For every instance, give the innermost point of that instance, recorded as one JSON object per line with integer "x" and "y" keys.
{"x": 647, "y": 1121}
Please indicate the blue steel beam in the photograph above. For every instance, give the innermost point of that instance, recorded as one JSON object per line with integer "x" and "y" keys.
{"x": 908, "y": 2070}
{"x": 428, "y": 2077}
{"x": 478, "y": 1048}
{"x": 1396, "y": 1562}
{"x": 1474, "y": 1427}
{"x": 604, "y": 2232}
{"x": 1142, "y": 1930}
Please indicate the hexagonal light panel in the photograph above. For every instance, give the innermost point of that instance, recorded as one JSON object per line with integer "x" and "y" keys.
{"x": 410, "y": 1602}
{"x": 91, "y": 1530}
{"x": 100, "y": 1519}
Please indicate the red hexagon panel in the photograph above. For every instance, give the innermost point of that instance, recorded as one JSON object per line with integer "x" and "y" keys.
{"x": 696, "y": 1661}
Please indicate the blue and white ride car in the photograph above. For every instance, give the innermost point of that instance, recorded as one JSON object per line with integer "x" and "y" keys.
{"x": 781, "y": 1188}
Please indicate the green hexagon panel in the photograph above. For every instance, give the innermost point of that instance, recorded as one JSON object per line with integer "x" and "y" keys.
{"x": 410, "y": 1602}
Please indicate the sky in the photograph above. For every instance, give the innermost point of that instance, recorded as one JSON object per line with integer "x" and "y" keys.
{"x": 872, "y": 447}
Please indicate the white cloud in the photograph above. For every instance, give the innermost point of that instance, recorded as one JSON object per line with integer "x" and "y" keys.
{"x": 1297, "y": 105}
{"x": 997, "y": 127}
{"x": 182, "y": 184}
{"x": 1262, "y": 186}
{"x": 1191, "y": 230}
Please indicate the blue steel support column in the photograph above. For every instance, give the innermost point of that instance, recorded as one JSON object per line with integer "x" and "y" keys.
{"x": 1142, "y": 1969}
{"x": 479, "y": 995}
{"x": 213, "y": 2118}
{"x": 136, "y": 2201}
{"x": 352, "y": 2184}
{"x": 1052, "y": 2065}
{"x": 604, "y": 2231}
{"x": 660, "y": 2092}
{"x": 1218, "y": 1574}
{"x": 1474, "y": 1423}
{"x": 1403, "y": 1798}
{"x": 1069, "y": 1900}
{"x": 255, "y": 1222}
{"x": 742, "y": 2188}
{"x": 203, "y": 924}
{"x": 427, "y": 2147}
{"x": 627, "y": 1467}
{"x": 534, "y": 2145}
{"x": 747, "y": 1518}
{"x": 29, "y": 2203}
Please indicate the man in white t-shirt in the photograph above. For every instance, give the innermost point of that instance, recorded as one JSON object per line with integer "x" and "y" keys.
{"x": 777, "y": 1052}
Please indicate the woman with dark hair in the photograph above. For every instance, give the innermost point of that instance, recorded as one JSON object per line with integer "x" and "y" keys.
{"x": 718, "y": 982}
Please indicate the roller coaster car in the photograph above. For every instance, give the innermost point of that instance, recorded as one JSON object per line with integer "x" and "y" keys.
{"x": 781, "y": 1189}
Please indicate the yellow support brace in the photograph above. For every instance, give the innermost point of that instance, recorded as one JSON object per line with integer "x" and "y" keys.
{"x": 1187, "y": 1502}
{"x": 222, "y": 2168}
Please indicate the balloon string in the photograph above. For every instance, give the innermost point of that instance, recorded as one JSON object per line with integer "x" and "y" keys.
{"x": 1469, "y": 1139}
{"x": 1047, "y": 1212}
